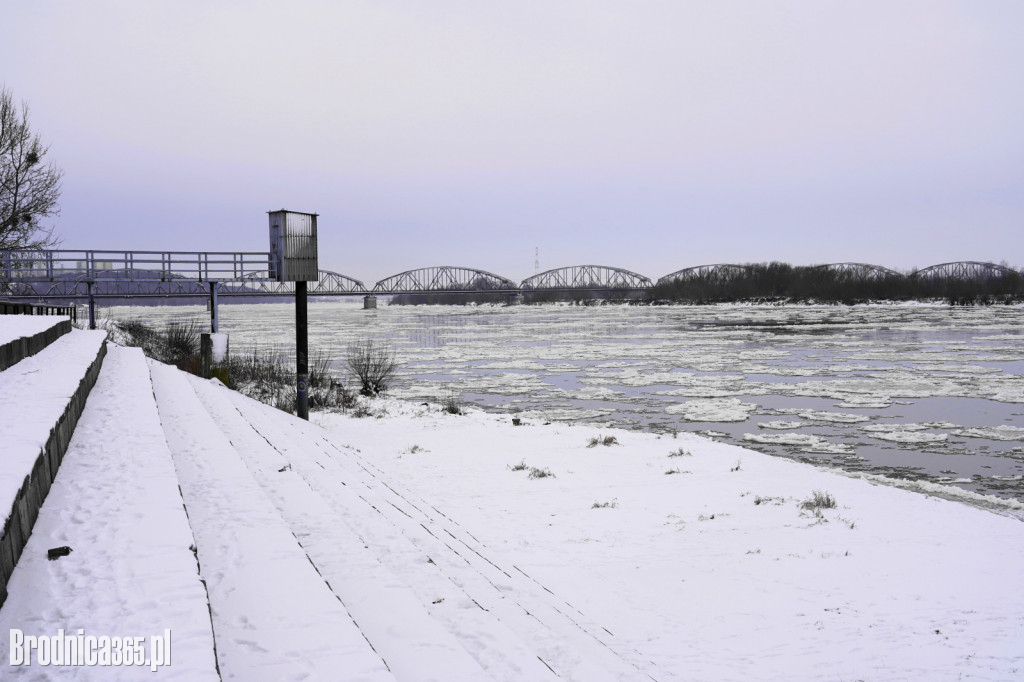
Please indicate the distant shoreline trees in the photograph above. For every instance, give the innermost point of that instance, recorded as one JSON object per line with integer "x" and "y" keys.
{"x": 29, "y": 186}
{"x": 777, "y": 281}
{"x": 781, "y": 281}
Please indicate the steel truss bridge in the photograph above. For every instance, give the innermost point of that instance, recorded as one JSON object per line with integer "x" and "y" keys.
{"x": 718, "y": 273}
{"x": 588, "y": 278}
{"x": 966, "y": 270}
{"x": 860, "y": 271}
{"x": 444, "y": 278}
{"x": 88, "y": 274}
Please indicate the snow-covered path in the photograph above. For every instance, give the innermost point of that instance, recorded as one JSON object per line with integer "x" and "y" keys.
{"x": 115, "y": 503}
{"x": 458, "y": 613}
{"x": 416, "y": 545}
{"x": 274, "y": 616}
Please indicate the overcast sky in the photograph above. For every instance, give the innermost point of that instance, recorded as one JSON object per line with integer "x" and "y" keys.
{"x": 646, "y": 135}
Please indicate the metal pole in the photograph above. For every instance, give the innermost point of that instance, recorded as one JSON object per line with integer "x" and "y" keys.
{"x": 301, "y": 352}
{"x": 214, "y": 318}
{"x": 92, "y": 307}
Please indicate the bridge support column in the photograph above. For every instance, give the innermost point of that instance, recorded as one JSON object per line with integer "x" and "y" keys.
{"x": 516, "y": 299}
{"x": 369, "y": 302}
{"x": 92, "y": 306}
{"x": 214, "y": 316}
{"x": 301, "y": 353}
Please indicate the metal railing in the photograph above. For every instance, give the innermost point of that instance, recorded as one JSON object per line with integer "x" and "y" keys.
{"x": 98, "y": 266}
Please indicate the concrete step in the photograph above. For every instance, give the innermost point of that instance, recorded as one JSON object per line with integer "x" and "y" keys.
{"x": 41, "y": 398}
{"x": 115, "y": 503}
{"x": 393, "y": 617}
{"x": 512, "y": 626}
{"x": 274, "y": 616}
{"x": 23, "y": 336}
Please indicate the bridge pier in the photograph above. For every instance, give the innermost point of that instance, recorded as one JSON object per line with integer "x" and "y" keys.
{"x": 369, "y": 302}
{"x": 516, "y": 299}
{"x": 214, "y": 316}
{"x": 301, "y": 352}
{"x": 92, "y": 306}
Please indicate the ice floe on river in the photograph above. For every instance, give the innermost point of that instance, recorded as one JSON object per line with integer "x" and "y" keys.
{"x": 665, "y": 368}
{"x": 713, "y": 410}
{"x": 803, "y": 441}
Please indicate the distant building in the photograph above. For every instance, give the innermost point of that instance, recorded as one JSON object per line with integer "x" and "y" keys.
{"x": 96, "y": 265}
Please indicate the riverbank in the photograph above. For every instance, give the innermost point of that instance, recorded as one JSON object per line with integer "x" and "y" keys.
{"x": 709, "y": 561}
{"x": 915, "y": 392}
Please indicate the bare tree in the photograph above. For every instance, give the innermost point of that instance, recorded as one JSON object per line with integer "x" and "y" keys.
{"x": 373, "y": 364}
{"x": 29, "y": 187}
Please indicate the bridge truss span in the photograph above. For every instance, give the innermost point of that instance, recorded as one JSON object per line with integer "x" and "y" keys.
{"x": 328, "y": 284}
{"x": 590, "y": 277}
{"x": 443, "y": 278}
{"x": 859, "y": 271}
{"x": 718, "y": 273}
{"x": 965, "y": 270}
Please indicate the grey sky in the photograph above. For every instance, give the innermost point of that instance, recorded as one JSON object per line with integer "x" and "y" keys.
{"x": 646, "y": 135}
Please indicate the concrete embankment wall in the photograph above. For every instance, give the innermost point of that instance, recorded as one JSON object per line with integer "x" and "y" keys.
{"x": 30, "y": 497}
{"x": 17, "y": 350}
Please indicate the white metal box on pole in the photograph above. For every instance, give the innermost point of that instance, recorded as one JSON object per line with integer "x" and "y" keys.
{"x": 293, "y": 252}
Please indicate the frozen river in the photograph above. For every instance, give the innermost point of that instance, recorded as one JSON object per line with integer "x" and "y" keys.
{"x": 906, "y": 391}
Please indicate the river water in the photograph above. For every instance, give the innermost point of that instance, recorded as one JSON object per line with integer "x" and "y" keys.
{"x": 921, "y": 392}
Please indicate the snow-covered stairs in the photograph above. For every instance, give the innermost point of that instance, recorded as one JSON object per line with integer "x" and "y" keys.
{"x": 393, "y": 618}
{"x": 274, "y": 616}
{"x": 423, "y": 591}
{"x": 42, "y": 394}
{"x": 131, "y": 571}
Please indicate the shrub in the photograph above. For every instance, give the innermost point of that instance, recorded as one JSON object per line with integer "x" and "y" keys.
{"x": 267, "y": 376}
{"x": 540, "y": 473}
{"x": 819, "y": 500}
{"x": 373, "y": 365}
{"x": 605, "y": 505}
{"x": 452, "y": 403}
{"x": 680, "y": 453}
{"x": 181, "y": 344}
{"x": 177, "y": 344}
{"x": 598, "y": 440}
{"x": 136, "y": 332}
{"x": 519, "y": 467}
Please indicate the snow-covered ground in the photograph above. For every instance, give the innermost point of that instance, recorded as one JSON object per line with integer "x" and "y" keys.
{"x": 696, "y": 560}
{"x": 413, "y": 544}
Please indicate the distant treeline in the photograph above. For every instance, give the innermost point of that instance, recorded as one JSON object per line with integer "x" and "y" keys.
{"x": 777, "y": 282}
{"x": 449, "y": 299}
{"x": 781, "y": 281}
{"x": 582, "y": 297}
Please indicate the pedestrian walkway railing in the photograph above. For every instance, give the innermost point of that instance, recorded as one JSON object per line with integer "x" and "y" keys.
{"x": 99, "y": 266}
